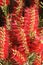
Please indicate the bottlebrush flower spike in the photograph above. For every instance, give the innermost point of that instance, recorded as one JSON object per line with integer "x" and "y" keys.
{"x": 22, "y": 37}
{"x": 34, "y": 17}
{"x": 3, "y": 43}
{"x": 31, "y": 17}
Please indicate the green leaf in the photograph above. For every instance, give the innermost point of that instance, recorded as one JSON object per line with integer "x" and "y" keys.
{"x": 5, "y": 62}
{"x": 41, "y": 21}
{"x": 31, "y": 58}
{"x": 5, "y": 10}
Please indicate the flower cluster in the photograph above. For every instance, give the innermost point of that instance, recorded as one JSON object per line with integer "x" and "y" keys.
{"x": 21, "y": 40}
{"x": 4, "y": 43}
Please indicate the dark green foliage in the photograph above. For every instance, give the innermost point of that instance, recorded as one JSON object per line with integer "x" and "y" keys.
{"x": 2, "y": 19}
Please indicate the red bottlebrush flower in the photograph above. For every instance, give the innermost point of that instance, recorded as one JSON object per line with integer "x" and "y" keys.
{"x": 27, "y": 17}
{"x": 31, "y": 19}
{"x": 6, "y": 45}
{"x": 3, "y": 43}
